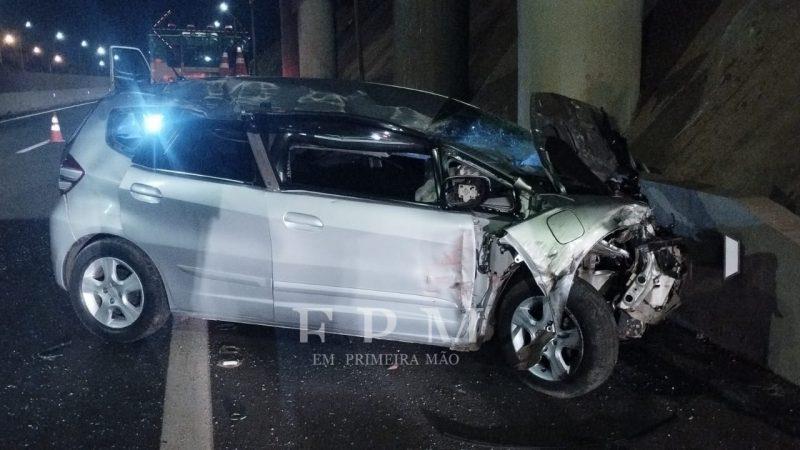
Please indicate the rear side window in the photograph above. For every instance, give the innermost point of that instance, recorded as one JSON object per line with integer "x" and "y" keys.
{"x": 203, "y": 147}
{"x": 124, "y": 132}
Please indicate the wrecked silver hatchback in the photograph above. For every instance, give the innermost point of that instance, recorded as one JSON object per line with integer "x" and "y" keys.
{"x": 367, "y": 210}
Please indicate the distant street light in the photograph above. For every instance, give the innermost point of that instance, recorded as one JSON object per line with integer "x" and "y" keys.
{"x": 57, "y": 59}
{"x": 207, "y": 58}
{"x": 101, "y": 51}
{"x": 59, "y": 36}
{"x": 101, "y": 63}
{"x": 37, "y": 51}
{"x": 216, "y": 24}
{"x": 8, "y": 40}
{"x": 223, "y": 7}
{"x": 84, "y": 44}
{"x": 28, "y": 24}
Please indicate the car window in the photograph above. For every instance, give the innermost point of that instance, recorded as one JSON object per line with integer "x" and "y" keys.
{"x": 124, "y": 132}
{"x": 352, "y": 159}
{"x": 393, "y": 176}
{"x": 207, "y": 148}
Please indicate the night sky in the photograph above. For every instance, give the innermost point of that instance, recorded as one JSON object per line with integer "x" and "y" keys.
{"x": 125, "y": 22}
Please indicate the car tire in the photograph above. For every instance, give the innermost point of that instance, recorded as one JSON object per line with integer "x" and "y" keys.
{"x": 587, "y": 312}
{"x": 110, "y": 306}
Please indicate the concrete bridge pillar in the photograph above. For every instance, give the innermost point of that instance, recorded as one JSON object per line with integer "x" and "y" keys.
{"x": 431, "y": 45}
{"x": 316, "y": 40}
{"x": 290, "y": 66}
{"x": 589, "y": 50}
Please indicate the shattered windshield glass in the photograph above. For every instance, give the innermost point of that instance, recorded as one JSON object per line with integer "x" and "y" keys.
{"x": 497, "y": 142}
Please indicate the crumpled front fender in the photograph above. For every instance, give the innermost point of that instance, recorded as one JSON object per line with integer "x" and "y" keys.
{"x": 553, "y": 243}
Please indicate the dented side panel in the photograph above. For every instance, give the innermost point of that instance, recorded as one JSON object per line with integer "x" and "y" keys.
{"x": 366, "y": 254}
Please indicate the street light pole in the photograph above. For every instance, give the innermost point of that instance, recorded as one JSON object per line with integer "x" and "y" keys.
{"x": 8, "y": 40}
{"x": 37, "y": 52}
{"x": 253, "y": 37}
{"x": 225, "y": 9}
{"x": 359, "y": 51}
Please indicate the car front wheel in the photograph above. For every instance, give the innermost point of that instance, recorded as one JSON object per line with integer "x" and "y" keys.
{"x": 571, "y": 363}
{"x": 117, "y": 292}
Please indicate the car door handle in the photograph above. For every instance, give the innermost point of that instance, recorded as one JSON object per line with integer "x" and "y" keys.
{"x": 145, "y": 193}
{"x": 299, "y": 221}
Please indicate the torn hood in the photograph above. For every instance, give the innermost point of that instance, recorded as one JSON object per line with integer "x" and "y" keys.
{"x": 554, "y": 242}
{"x": 586, "y": 154}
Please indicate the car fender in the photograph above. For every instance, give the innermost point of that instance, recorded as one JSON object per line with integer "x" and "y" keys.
{"x": 553, "y": 243}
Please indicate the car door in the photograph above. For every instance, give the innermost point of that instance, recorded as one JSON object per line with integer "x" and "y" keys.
{"x": 129, "y": 69}
{"x": 357, "y": 231}
{"x": 193, "y": 200}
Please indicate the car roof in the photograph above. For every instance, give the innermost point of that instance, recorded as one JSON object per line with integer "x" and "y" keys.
{"x": 229, "y": 98}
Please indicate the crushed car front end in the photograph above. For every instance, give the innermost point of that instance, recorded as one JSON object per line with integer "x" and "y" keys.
{"x": 613, "y": 244}
{"x": 579, "y": 214}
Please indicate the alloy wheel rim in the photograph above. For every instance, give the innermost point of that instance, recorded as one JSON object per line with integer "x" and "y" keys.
{"x": 112, "y": 292}
{"x": 561, "y": 355}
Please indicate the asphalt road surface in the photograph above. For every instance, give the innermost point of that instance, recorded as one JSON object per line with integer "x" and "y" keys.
{"x": 198, "y": 384}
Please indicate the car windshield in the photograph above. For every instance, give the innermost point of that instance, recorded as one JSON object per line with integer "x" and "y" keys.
{"x": 499, "y": 143}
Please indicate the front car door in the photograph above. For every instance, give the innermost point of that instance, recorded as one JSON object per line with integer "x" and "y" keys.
{"x": 129, "y": 68}
{"x": 357, "y": 230}
{"x": 194, "y": 201}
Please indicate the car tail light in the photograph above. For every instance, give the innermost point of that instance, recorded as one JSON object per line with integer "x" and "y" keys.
{"x": 70, "y": 173}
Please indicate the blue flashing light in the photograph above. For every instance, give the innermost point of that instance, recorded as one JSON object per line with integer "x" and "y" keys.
{"x": 153, "y": 123}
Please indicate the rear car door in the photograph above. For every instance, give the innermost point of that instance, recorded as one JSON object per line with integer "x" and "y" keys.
{"x": 357, "y": 225}
{"x": 194, "y": 201}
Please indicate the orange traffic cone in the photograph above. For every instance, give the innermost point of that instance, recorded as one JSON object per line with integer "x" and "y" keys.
{"x": 241, "y": 69}
{"x": 223, "y": 65}
{"x": 55, "y": 130}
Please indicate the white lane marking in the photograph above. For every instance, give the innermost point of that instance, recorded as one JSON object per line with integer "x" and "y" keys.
{"x": 186, "y": 419}
{"x": 47, "y": 112}
{"x": 33, "y": 147}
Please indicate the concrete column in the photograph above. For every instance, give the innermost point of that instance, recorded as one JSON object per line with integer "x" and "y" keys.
{"x": 589, "y": 50}
{"x": 316, "y": 39}
{"x": 431, "y": 45}
{"x": 290, "y": 67}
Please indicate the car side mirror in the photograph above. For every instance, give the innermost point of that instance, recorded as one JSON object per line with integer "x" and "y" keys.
{"x": 463, "y": 192}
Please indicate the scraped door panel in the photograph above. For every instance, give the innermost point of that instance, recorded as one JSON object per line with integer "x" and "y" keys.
{"x": 210, "y": 240}
{"x": 341, "y": 254}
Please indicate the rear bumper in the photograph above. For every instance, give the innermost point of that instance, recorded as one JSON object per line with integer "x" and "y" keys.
{"x": 61, "y": 239}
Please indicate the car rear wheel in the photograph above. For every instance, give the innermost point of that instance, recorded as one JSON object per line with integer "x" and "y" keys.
{"x": 117, "y": 292}
{"x": 575, "y": 361}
